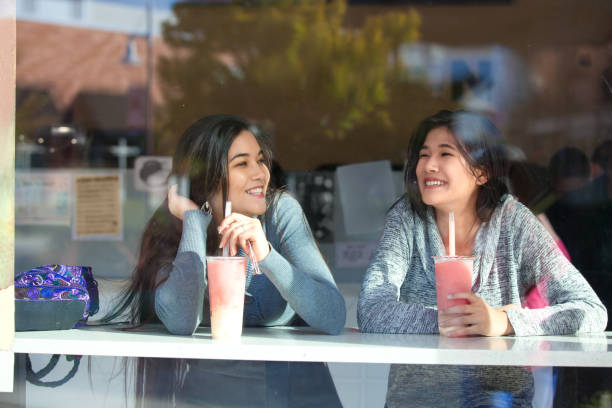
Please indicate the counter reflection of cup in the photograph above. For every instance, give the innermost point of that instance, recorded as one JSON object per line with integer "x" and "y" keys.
{"x": 226, "y": 282}
{"x": 453, "y": 275}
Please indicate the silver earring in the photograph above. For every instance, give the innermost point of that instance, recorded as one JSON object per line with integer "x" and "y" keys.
{"x": 206, "y": 209}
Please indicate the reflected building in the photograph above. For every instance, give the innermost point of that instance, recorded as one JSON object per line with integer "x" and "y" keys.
{"x": 342, "y": 84}
{"x": 84, "y": 64}
{"x": 542, "y": 83}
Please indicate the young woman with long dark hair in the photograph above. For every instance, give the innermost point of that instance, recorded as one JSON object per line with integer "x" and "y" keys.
{"x": 223, "y": 160}
{"x": 456, "y": 164}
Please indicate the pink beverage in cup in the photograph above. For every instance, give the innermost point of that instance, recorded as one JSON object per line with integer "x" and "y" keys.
{"x": 453, "y": 275}
{"x": 226, "y": 282}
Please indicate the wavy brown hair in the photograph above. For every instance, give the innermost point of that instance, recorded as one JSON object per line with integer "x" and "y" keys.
{"x": 201, "y": 159}
{"x": 481, "y": 145}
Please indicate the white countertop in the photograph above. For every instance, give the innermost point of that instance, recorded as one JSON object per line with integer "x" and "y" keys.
{"x": 305, "y": 344}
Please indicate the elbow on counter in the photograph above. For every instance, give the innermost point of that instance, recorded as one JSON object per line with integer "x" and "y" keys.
{"x": 183, "y": 324}
{"x": 363, "y": 315}
{"x": 181, "y": 327}
{"x": 592, "y": 318}
{"x": 339, "y": 320}
{"x": 601, "y": 318}
{"x": 331, "y": 320}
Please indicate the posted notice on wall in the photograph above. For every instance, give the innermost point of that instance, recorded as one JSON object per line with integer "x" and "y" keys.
{"x": 365, "y": 204}
{"x": 97, "y": 207}
{"x": 354, "y": 254}
{"x": 151, "y": 173}
{"x": 42, "y": 198}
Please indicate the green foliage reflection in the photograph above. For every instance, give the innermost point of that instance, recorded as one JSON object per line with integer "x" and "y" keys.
{"x": 300, "y": 66}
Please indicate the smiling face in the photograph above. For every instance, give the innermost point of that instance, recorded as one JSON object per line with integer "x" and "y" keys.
{"x": 445, "y": 179}
{"x": 248, "y": 175}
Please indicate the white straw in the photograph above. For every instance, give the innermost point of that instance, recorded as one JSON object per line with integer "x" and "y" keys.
{"x": 451, "y": 234}
{"x": 228, "y": 211}
{"x": 256, "y": 270}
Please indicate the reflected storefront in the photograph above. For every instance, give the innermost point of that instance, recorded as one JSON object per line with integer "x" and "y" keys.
{"x": 105, "y": 88}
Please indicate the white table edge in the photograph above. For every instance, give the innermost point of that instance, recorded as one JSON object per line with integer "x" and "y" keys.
{"x": 303, "y": 344}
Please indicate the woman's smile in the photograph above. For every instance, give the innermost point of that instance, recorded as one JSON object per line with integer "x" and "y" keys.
{"x": 257, "y": 192}
{"x": 431, "y": 183}
{"x": 248, "y": 175}
{"x": 444, "y": 177}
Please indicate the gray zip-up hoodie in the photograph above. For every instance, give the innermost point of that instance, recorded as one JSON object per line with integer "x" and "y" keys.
{"x": 512, "y": 254}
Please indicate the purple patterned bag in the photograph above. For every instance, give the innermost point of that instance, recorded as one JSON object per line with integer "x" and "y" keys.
{"x": 55, "y": 297}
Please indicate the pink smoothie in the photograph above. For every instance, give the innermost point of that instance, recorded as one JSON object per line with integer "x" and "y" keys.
{"x": 453, "y": 275}
{"x": 226, "y": 282}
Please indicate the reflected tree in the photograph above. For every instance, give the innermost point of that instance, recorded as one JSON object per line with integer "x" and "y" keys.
{"x": 33, "y": 110}
{"x": 296, "y": 68}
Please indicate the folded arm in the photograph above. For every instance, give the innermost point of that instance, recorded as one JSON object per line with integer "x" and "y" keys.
{"x": 179, "y": 299}
{"x": 297, "y": 269}
{"x": 574, "y": 306}
{"x": 380, "y": 309}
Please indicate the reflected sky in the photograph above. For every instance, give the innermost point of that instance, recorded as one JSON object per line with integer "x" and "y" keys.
{"x": 161, "y": 4}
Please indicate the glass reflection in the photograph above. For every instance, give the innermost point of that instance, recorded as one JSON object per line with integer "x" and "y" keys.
{"x": 332, "y": 83}
{"x": 220, "y": 160}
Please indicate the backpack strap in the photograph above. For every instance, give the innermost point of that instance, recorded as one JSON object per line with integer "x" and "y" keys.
{"x": 36, "y": 377}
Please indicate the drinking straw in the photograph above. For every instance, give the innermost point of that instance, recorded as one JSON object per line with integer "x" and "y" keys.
{"x": 228, "y": 211}
{"x": 451, "y": 234}
{"x": 256, "y": 270}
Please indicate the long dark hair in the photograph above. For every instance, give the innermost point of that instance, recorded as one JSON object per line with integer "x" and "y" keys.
{"x": 200, "y": 158}
{"x": 481, "y": 145}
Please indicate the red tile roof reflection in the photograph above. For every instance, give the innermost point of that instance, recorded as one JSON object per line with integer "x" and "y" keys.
{"x": 67, "y": 60}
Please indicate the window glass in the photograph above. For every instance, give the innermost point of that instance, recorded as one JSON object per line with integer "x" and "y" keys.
{"x": 105, "y": 88}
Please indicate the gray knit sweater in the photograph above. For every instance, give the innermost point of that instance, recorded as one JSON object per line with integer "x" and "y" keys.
{"x": 295, "y": 279}
{"x": 512, "y": 254}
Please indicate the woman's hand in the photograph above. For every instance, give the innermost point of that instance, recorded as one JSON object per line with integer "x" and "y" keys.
{"x": 177, "y": 204}
{"x": 475, "y": 318}
{"x": 237, "y": 229}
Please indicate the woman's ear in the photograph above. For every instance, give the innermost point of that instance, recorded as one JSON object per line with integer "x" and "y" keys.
{"x": 216, "y": 202}
{"x": 481, "y": 177}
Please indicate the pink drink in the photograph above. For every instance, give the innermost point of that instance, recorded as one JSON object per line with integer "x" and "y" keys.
{"x": 226, "y": 282}
{"x": 453, "y": 275}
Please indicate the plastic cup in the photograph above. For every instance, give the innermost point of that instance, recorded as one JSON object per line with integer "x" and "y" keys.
{"x": 453, "y": 275}
{"x": 226, "y": 282}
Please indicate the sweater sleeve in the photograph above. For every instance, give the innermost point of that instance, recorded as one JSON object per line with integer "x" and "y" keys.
{"x": 297, "y": 269}
{"x": 179, "y": 299}
{"x": 380, "y": 309}
{"x": 573, "y": 305}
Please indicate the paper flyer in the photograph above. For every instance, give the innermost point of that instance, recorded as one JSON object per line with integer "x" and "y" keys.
{"x": 42, "y": 198}
{"x": 97, "y": 207}
{"x": 366, "y": 193}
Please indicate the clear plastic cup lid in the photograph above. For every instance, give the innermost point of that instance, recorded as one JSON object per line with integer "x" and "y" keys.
{"x": 458, "y": 258}
{"x": 226, "y": 258}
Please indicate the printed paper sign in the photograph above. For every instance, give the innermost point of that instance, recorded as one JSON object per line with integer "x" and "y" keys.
{"x": 151, "y": 173}
{"x": 42, "y": 198}
{"x": 366, "y": 193}
{"x": 354, "y": 254}
{"x": 97, "y": 214}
